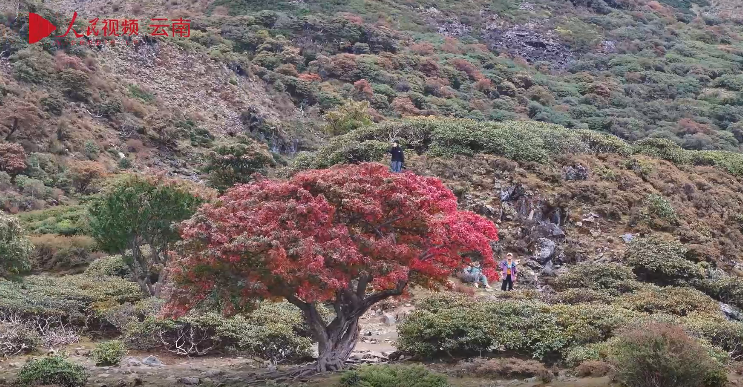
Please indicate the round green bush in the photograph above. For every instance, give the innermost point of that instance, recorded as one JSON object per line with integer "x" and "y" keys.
{"x": 109, "y": 353}
{"x": 661, "y": 262}
{"x": 609, "y": 277}
{"x": 111, "y": 266}
{"x": 54, "y": 370}
{"x": 392, "y": 376}
{"x": 664, "y": 355}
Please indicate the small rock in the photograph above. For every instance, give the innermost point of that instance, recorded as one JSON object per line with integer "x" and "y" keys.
{"x": 103, "y": 375}
{"x": 628, "y": 238}
{"x": 388, "y": 319}
{"x": 549, "y": 269}
{"x": 575, "y": 172}
{"x": 368, "y": 333}
{"x": 213, "y": 373}
{"x": 152, "y": 361}
{"x": 189, "y": 381}
{"x": 132, "y": 362}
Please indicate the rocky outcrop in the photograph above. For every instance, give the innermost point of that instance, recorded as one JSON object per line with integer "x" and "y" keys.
{"x": 530, "y": 43}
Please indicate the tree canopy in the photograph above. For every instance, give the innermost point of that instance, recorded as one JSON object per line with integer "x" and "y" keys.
{"x": 138, "y": 211}
{"x": 349, "y": 236}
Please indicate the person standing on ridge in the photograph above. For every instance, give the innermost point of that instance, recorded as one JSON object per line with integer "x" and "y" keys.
{"x": 508, "y": 268}
{"x": 398, "y": 157}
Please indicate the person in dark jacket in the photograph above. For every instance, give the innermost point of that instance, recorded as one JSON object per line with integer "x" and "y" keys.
{"x": 509, "y": 272}
{"x": 398, "y": 157}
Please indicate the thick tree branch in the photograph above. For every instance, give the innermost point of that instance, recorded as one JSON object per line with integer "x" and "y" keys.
{"x": 363, "y": 283}
{"x": 294, "y": 300}
{"x": 12, "y": 129}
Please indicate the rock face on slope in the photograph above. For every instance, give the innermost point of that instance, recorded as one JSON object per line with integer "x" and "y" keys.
{"x": 528, "y": 42}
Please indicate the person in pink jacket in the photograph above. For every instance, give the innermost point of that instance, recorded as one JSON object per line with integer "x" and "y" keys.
{"x": 508, "y": 272}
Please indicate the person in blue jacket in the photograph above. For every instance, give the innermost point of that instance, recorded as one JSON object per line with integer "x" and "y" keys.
{"x": 473, "y": 274}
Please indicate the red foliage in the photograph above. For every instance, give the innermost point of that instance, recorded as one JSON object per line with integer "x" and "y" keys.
{"x": 689, "y": 126}
{"x": 353, "y": 18}
{"x": 451, "y": 46}
{"x": 343, "y": 65}
{"x": 12, "y": 158}
{"x": 424, "y": 48}
{"x": 476, "y": 48}
{"x": 83, "y": 173}
{"x": 429, "y": 67}
{"x": 405, "y": 106}
{"x": 63, "y": 61}
{"x": 467, "y": 67}
{"x": 364, "y": 88}
{"x": 324, "y": 232}
{"x": 310, "y": 77}
{"x": 484, "y": 84}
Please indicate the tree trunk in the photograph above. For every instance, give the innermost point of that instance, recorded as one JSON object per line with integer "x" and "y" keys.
{"x": 335, "y": 350}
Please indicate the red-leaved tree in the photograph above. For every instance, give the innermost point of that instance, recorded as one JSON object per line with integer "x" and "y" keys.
{"x": 349, "y": 237}
{"x": 12, "y": 158}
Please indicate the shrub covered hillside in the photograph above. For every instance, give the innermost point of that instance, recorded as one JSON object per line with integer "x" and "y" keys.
{"x": 635, "y": 68}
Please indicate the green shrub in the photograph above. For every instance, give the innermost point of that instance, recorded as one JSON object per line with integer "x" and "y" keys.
{"x": 661, "y": 262}
{"x": 15, "y": 248}
{"x": 670, "y": 300}
{"x": 607, "y": 277}
{"x": 109, "y": 353}
{"x": 63, "y": 220}
{"x": 111, "y": 266}
{"x": 352, "y": 115}
{"x": 62, "y": 253}
{"x": 581, "y": 295}
{"x": 457, "y": 326}
{"x": 581, "y": 353}
{"x": 275, "y": 331}
{"x": 125, "y": 163}
{"x": 74, "y": 298}
{"x": 55, "y": 370}
{"x": 718, "y": 331}
{"x": 658, "y": 207}
{"x": 91, "y": 149}
{"x": 137, "y": 92}
{"x": 664, "y": 355}
{"x": 235, "y": 163}
{"x": 725, "y": 288}
{"x": 392, "y": 376}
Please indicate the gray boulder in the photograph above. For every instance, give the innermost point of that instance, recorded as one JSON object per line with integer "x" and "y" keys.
{"x": 544, "y": 250}
{"x": 575, "y": 172}
{"x": 189, "y": 381}
{"x": 152, "y": 361}
{"x": 731, "y": 312}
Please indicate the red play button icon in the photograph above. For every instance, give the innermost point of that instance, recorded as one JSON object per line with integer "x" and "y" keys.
{"x": 38, "y": 28}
